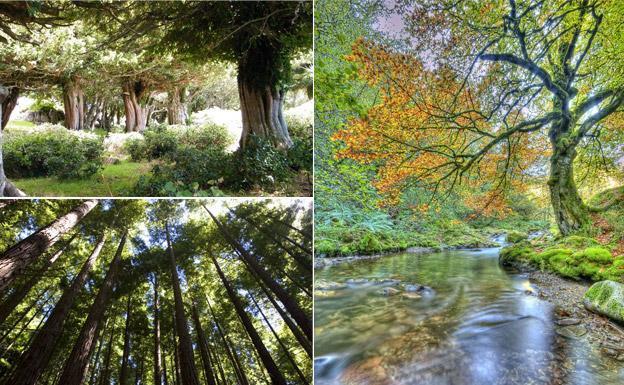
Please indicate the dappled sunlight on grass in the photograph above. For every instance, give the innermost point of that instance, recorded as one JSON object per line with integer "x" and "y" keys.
{"x": 113, "y": 180}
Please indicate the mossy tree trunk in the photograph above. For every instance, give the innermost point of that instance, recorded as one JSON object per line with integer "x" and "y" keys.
{"x": 262, "y": 96}
{"x": 8, "y": 105}
{"x": 571, "y": 214}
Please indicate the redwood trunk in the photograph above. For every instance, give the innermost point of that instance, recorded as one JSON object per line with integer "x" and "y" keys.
{"x": 176, "y": 107}
{"x": 105, "y": 375}
{"x": 274, "y": 372}
{"x": 301, "y": 338}
{"x": 570, "y": 212}
{"x": 76, "y": 366}
{"x": 35, "y": 360}
{"x": 20, "y": 293}
{"x": 291, "y": 305}
{"x": 261, "y": 98}
{"x": 158, "y": 373}
{"x": 73, "y": 104}
{"x": 203, "y": 348}
{"x": 123, "y": 372}
{"x": 188, "y": 372}
{"x": 16, "y": 258}
{"x": 237, "y": 371}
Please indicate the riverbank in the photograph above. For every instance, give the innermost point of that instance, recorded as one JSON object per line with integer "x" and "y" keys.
{"x": 572, "y": 321}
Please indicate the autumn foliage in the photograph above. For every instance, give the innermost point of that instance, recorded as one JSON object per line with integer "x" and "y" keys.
{"x": 426, "y": 129}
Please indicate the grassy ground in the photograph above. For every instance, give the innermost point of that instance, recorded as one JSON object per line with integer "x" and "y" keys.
{"x": 113, "y": 180}
{"x": 19, "y": 124}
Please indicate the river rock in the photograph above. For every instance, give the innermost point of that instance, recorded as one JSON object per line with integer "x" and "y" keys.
{"x": 606, "y": 298}
{"x": 420, "y": 289}
{"x": 388, "y": 291}
{"x": 568, "y": 321}
{"x": 323, "y": 285}
{"x": 357, "y": 281}
{"x": 387, "y": 281}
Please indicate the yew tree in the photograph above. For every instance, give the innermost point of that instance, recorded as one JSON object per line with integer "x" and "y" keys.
{"x": 260, "y": 37}
{"x": 490, "y": 94}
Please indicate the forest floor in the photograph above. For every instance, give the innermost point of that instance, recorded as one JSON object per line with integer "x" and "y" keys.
{"x": 113, "y": 180}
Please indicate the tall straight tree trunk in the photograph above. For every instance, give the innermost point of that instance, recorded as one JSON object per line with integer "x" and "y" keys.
{"x": 106, "y": 372}
{"x": 214, "y": 358}
{"x": 135, "y": 115}
{"x": 570, "y": 212}
{"x": 176, "y": 107}
{"x": 279, "y": 341}
{"x": 158, "y": 373}
{"x": 237, "y": 372}
{"x": 304, "y": 322}
{"x": 274, "y": 372}
{"x": 8, "y": 105}
{"x": 96, "y": 360}
{"x": 138, "y": 378}
{"x": 73, "y": 103}
{"x": 15, "y": 298}
{"x": 123, "y": 372}
{"x": 16, "y": 258}
{"x": 261, "y": 97}
{"x": 35, "y": 360}
{"x": 77, "y": 363}
{"x": 203, "y": 348}
{"x": 299, "y": 336}
{"x": 187, "y": 361}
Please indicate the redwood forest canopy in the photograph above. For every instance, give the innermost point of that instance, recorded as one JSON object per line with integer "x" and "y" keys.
{"x": 133, "y": 66}
{"x": 159, "y": 292}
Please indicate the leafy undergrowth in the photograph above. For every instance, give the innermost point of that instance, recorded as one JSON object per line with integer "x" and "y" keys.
{"x": 375, "y": 232}
{"x": 594, "y": 258}
{"x": 113, "y": 180}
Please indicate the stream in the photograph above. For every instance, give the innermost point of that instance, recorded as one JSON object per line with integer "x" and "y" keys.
{"x": 478, "y": 325}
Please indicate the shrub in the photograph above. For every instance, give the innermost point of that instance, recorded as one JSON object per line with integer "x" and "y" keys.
{"x": 55, "y": 152}
{"x": 300, "y": 155}
{"x": 259, "y": 165}
{"x": 137, "y": 149}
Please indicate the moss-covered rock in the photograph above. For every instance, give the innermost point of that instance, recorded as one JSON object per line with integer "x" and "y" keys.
{"x": 516, "y": 236}
{"x": 606, "y": 298}
{"x": 518, "y": 254}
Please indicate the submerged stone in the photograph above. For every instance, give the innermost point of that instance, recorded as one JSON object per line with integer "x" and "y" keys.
{"x": 388, "y": 291}
{"x": 606, "y": 298}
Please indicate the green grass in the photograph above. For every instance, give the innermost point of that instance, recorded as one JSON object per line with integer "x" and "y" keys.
{"x": 19, "y": 124}
{"x": 114, "y": 180}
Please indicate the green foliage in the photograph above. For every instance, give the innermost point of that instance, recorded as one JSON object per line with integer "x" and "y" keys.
{"x": 52, "y": 153}
{"x": 43, "y": 105}
{"x": 516, "y": 236}
{"x": 260, "y": 164}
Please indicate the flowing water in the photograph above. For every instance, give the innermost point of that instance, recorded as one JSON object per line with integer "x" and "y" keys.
{"x": 481, "y": 326}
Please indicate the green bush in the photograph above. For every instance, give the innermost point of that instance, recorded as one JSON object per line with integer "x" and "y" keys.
{"x": 52, "y": 153}
{"x": 137, "y": 149}
{"x": 300, "y": 155}
{"x": 259, "y": 165}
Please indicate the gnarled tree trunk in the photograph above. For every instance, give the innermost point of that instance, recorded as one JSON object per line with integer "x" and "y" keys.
{"x": 27, "y": 250}
{"x": 7, "y": 189}
{"x": 77, "y": 364}
{"x": 571, "y": 214}
{"x": 73, "y": 103}
{"x": 135, "y": 114}
{"x": 176, "y": 106}
{"x": 34, "y": 361}
{"x": 8, "y": 105}
{"x": 261, "y": 96}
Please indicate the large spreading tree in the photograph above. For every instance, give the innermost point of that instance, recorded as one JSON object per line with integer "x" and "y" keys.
{"x": 480, "y": 93}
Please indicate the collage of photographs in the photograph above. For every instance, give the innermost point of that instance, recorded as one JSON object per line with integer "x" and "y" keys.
{"x": 298, "y": 192}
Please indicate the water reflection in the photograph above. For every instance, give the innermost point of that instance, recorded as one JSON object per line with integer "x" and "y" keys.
{"x": 483, "y": 326}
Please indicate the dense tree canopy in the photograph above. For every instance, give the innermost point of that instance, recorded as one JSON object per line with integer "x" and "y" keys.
{"x": 161, "y": 292}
